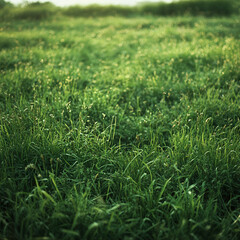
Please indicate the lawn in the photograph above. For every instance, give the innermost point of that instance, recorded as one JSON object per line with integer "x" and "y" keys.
{"x": 120, "y": 128}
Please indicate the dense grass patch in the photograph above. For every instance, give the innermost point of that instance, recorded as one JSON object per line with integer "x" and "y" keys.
{"x": 120, "y": 128}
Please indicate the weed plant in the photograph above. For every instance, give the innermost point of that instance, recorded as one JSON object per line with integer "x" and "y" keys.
{"x": 120, "y": 128}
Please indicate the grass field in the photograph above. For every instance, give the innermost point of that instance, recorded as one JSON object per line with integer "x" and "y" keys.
{"x": 120, "y": 128}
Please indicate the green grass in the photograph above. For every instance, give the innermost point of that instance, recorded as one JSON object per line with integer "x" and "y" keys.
{"x": 115, "y": 128}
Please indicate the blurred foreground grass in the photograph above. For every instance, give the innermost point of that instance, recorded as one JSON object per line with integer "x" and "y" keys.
{"x": 115, "y": 128}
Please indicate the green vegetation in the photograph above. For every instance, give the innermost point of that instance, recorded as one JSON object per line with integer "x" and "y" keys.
{"x": 40, "y": 11}
{"x": 192, "y": 7}
{"x": 4, "y": 4}
{"x": 33, "y": 11}
{"x": 96, "y": 10}
{"x": 120, "y": 128}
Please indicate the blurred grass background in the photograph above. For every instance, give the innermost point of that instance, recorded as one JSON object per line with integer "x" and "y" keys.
{"x": 40, "y": 11}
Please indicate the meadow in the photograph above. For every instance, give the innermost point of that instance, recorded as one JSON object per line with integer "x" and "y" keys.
{"x": 120, "y": 128}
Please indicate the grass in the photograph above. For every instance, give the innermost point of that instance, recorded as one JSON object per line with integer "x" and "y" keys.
{"x": 120, "y": 128}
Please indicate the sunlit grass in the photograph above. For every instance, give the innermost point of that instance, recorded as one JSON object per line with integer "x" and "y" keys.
{"x": 115, "y": 128}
